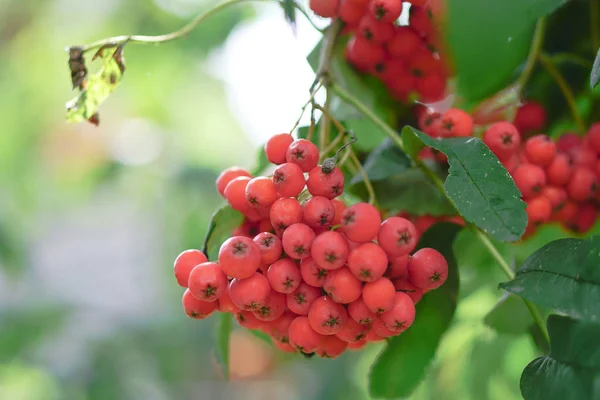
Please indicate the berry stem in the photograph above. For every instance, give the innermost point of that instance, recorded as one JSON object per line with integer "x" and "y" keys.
{"x": 534, "y": 51}
{"x": 565, "y": 88}
{"x": 595, "y": 24}
{"x": 311, "y": 101}
{"x": 365, "y": 177}
{"x": 559, "y": 58}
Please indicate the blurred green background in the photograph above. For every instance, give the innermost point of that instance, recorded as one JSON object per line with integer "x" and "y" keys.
{"x": 92, "y": 218}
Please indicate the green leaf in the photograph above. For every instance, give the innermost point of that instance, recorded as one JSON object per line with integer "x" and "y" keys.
{"x": 595, "y": 75}
{"x": 223, "y": 332}
{"x": 403, "y": 362}
{"x": 572, "y": 369}
{"x": 510, "y": 315}
{"x": 223, "y": 221}
{"x": 262, "y": 163}
{"x": 486, "y": 58}
{"x": 289, "y": 11}
{"x": 479, "y": 186}
{"x": 563, "y": 275}
{"x": 97, "y": 86}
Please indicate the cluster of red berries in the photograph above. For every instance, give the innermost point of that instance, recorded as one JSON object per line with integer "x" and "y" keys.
{"x": 558, "y": 180}
{"x": 407, "y": 59}
{"x": 317, "y": 276}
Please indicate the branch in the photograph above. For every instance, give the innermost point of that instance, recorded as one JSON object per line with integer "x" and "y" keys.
{"x": 534, "y": 51}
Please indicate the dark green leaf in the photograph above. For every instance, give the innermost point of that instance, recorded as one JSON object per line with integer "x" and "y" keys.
{"x": 595, "y": 76}
{"x": 402, "y": 364}
{"x": 563, "y": 275}
{"x": 97, "y": 86}
{"x": 223, "y": 332}
{"x": 486, "y": 58}
{"x": 510, "y": 316}
{"x": 224, "y": 220}
{"x": 479, "y": 186}
{"x": 572, "y": 369}
{"x": 385, "y": 161}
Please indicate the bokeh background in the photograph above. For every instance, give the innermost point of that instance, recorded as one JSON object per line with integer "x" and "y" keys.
{"x": 91, "y": 218}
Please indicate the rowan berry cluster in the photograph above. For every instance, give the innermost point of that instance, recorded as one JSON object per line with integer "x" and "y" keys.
{"x": 558, "y": 180}
{"x": 316, "y": 275}
{"x": 407, "y": 59}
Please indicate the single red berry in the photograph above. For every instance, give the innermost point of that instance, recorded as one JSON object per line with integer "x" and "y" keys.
{"x": 326, "y": 317}
{"x": 228, "y": 175}
{"x": 583, "y": 184}
{"x": 559, "y": 171}
{"x": 261, "y": 192}
{"x": 284, "y": 276}
{"x": 431, "y": 88}
{"x": 301, "y": 299}
{"x": 397, "y": 267}
{"x": 248, "y": 320}
{"x": 195, "y": 308}
{"x": 397, "y": 236}
{"x": 311, "y": 273}
{"x": 423, "y": 63}
{"x": 318, "y": 212}
{"x": 239, "y": 257}
{"x": 429, "y": 121}
{"x": 250, "y": 293}
{"x": 331, "y": 347}
{"x": 360, "y": 312}
{"x": 207, "y": 281}
{"x": 427, "y": 269}
{"x": 593, "y": 137}
{"x": 270, "y": 247}
{"x": 379, "y": 295}
{"x": 538, "y": 210}
{"x": 277, "y": 145}
{"x": 368, "y": 262}
{"x": 381, "y": 330}
{"x": 568, "y": 142}
{"x": 324, "y": 8}
{"x": 404, "y": 43}
{"x": 279, "y": 329}
{"x": 583, "y": 157}
{"x": 374, "y": 30}
{"x": 284, "y": 213}
{"x": 402, "y": 314}
{"x": 302, "y": 336}
{"x": 329, "y": 185}
{"x": 330, "y": 250}
{"x": 184, "y": 263}
{"x": 339, "y": 209}
{"x": 386, "y": 10}
{"x": 585, "y": 218}
{"x": 456, "y": 123}
{"x": 303, "y": 153}
{"x": 273, "y": 308}
{"x": 364, "y": 54}
{"x": 567, "y": 212}
{"x": 530, "y": 117}
{"x": 360, "y": 222}
{"x": 235, "y": 193}
{"x": 297, "y": 240}
{"x": 289, "y": 180}
{"x": 225, "y": 304}
{"x": 342, "y": 286}
{"x": 403, "y": 285}
{"x": 352, "y": 331}
{"x": 503, "y": 139}
{"x": 556, "y": 195}
{"x": 351, "y": 12}
{"x": 540, "y": 150}
{"x": 530, "y": 179}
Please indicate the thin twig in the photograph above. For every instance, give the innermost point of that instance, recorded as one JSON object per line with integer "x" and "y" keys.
{"x": 310, "y": 101}
{"x": 559, "y": 58}
{"x": 534, "y": 51}
{"x": 365, "y": 177}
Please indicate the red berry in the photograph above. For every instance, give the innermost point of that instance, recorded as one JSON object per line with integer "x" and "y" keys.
{"x": 326, "y": 317}
{"x": 379, "y": 295}
{"x": 184, "y": 263}
{"x": 318, "y": 212}
{"x": 261, "y": 192}
{"x": 276, "y": 147}
{"x": 404, "y": 43}
{"x": 207, "y": 281}
{"x": 593, "y": 137}
{"x": 503, "y": 139}
{"x": 585, "y": 218}
{"x": 368, "y": 262}
{"x": 264, "y": 226}
{"x": 301, "y": 299}
{"x": 530, "y": 179}
{"x": 530, "y": 117}
{"x": 279, "y": 328}
{"x": 342, "y": 286}
{"x": 284, "y": 347}
{"x": 427, "y": 269}
{"x": 324, "y": 8}
{"x": 420, "y": 20}
{"x": 559, "y": 171}
{"x": 423, "y": 63}
{"x": 270, "y": 247}
{"x": 380, "y": 330}
{"x": 583, "y": 184}
{"x": 397, "y": 267}
{"x": 297, "y": 240}
{"x": 360, "y": 222}
{"x": 568, "y": 142}
{"x": 352, "y": 331}
{"x": 429, "y": 122}
{"x": 567, "y": 212}
{"x": 339, "y": 209}
{"x": 273, "y": 308}
{"x": 359, "y": 312}
{"x": 402, "y": 314}
{"x": 284, "y": 276}
{"x": 363, "y": 54}
{"x": 250, "y": 293}
{"x": 397, "y": 236}
{"x": 331, "y": 347}
{"x": 228, "y": 175}
{"x": 303, "y": 153}
{"x": 431, "y": 88}
{"x": 248, "y": 320}
{"x": 289, "y": 180}
{"x": 386, "y": 10}
{"x": 538, "y": 210}
{"x": 456, "y": 123}
{"x": 302, "y": 336}
{"x": 225, "y": 304}
{"x": 284, "y": 213}
{"x": 195, "y": 308}
{"x": 583, "y": 157}
{"x": 235, "y": 193}
{"x": 358, "y": 345}
{"x": 239, "y": 257}
{"x": 540, "y": 150}
{"x": 330, "y": 250}
{"x": 351, "y": 12}
{"x": 329, "y": 185}
{"x": 403, "y": 285}
{"x": 374, "y": 30}
{"x": 556, "y": 195}
{"x": 311, "y": 273}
